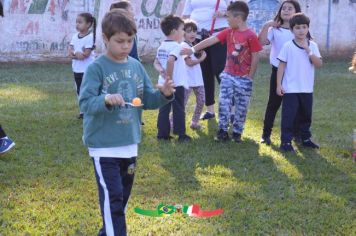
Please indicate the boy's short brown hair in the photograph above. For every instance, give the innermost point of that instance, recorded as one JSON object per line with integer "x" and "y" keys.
{"x": 239, "y": 8}
{"x": 171, "y": 22}
{"x": 123, "y": 4}
{"x": 117, "y": 21}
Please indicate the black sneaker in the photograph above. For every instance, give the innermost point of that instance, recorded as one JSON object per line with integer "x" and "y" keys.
{"x": 166, "y": 138}
{"x": 184, "y": 138}
{"x": 80, "y": 116}
{"x": 222, "y": 136}
{"x": 236, "y": 137}
{"x": 266, "y": 140}
{"x": 310, "y": 144}
{"x": 286, "y": 147}
{"x": 207, "y": 116}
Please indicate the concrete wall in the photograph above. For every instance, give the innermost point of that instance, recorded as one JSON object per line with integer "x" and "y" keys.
{"x": 35, "y": 30}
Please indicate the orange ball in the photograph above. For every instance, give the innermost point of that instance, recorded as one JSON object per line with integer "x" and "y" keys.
{"x": 136, "y": 102}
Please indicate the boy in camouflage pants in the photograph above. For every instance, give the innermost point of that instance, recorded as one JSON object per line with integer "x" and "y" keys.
{"x": 241, "y": 64}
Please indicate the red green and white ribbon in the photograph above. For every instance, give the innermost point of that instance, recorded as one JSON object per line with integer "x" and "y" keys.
{"x": 191, "y": 210}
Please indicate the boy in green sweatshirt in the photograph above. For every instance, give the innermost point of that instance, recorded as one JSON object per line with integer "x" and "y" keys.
{"x": 112, "y": 126}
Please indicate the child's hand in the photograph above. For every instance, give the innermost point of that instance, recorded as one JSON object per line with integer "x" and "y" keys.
{"x": 305, "y": 45}
{"x": 167, "y": 88}
{"x": 71, "y": 54}
{"x": 203, "y": 56}
{"x": 114, "y": 99}
{"x": 186, "y": 51}
{"x": 279, "y": 90}
{"x": 79, "y": 56}
{"x": 274, "y": 24}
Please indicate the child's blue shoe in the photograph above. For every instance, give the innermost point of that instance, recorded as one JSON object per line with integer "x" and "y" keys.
{"x": 5, "y": 145}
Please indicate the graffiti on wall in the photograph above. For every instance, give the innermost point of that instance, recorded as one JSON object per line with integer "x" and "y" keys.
{"x": 149, "y": 14}
{"x": 260, "y": 12}
{"x": 39, "y": 23}
{"x": 51, "y": 7}
{"x": 44, "y": 21}
{"x": 159, "y": 10}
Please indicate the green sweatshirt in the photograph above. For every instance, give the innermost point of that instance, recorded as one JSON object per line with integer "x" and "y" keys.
{"x": 106, "y": 126}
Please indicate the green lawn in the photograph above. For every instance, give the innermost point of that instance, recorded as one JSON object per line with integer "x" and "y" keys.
{"x": 47, "y": 184}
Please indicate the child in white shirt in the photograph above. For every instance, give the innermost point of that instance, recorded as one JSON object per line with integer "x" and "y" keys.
{"x": 194, "y": 73}
{"x": 170, "y": 64}
{"x": 295, "y": 82}
{"x": 82, "y": 48}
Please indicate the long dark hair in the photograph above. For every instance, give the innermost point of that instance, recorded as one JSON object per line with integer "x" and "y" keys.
{"x": 90, "y": 19}
{"x": 297, "y": 8}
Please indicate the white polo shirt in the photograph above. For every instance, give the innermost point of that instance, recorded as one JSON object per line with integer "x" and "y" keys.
{"x": 173, "y": 48}
{"x": 299, "y": 72}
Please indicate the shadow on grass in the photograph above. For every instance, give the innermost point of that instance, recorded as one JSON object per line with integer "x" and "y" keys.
{"x": 227, "y": 175}
{"x": 258, "y": 190}
{"x": 321, "y": 174}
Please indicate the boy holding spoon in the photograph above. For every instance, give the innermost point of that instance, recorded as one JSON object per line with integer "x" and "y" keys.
{"x": 111, "y": 127}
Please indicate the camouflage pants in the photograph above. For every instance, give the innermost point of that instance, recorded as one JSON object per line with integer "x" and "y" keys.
{"x": 236, "y": 89}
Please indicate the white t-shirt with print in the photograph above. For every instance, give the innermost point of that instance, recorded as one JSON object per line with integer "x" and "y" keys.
{"x": 299, "y": 71}
{"x": 277, "y": 37}
{"x": 194, "y": 74}
{"x": 172, "y": 48}
{"x": 79, "y": 44}
{"x": 202, "y": 11}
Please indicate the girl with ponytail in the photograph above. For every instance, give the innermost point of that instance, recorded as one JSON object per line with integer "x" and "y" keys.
{"x": 82, "y": 48}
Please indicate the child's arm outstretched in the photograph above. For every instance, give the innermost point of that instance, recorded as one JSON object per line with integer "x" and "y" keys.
{"x": 280, "y": 73}
{"x": 262, "y": 37}
{"x": 200, "y": 46}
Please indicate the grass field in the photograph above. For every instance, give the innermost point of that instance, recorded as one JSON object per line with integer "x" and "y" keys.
{"x": 47, "y": 184}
